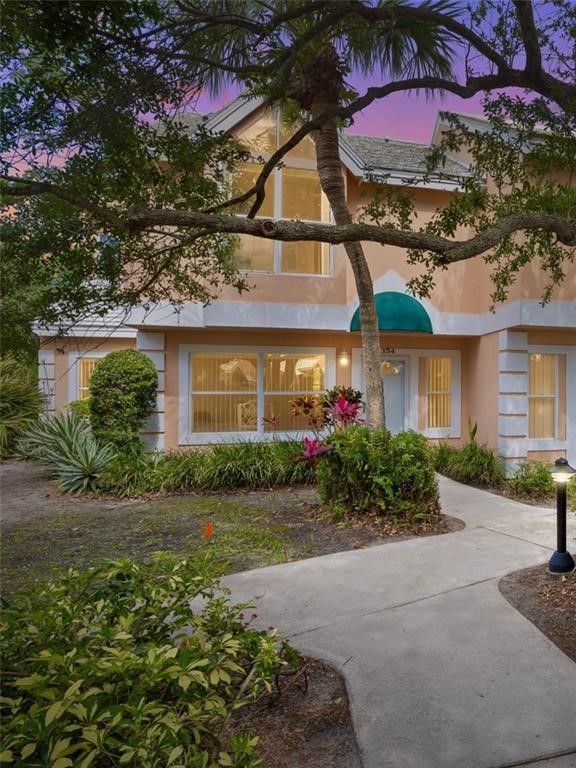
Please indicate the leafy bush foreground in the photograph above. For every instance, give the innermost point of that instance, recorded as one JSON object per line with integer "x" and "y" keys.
{"x": 114, "y": 667}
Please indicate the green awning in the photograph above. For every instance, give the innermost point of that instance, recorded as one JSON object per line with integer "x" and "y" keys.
{"x": 397, "y": 312}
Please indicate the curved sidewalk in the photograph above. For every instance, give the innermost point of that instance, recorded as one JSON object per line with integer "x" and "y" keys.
{"x": 441, "y": 671}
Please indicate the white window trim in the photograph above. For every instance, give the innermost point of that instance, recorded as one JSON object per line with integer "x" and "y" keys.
{"x": 412, "y": 377}
{"x": 186, "y": 437}
{"x": 454, "y": 429}
{"x": 300, "y": 164}
{"x": 552, "y": 443}
{"x": 74, "y": 371}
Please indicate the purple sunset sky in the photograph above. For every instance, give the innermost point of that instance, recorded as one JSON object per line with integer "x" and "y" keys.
{"x": 408, "y": 116}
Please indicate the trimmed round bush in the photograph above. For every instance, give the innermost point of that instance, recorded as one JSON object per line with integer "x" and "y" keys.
{"x": 374, "y": 471}
{"x": 122, "y": 394}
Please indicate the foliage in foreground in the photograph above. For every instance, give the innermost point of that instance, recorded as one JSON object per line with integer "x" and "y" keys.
{"x": 374, "y": 471}
{"x": 122, "y": 394}
{"x": 65, "y": 445}
{"x": 20, "y": 401}
{"x": 114, "y": 667}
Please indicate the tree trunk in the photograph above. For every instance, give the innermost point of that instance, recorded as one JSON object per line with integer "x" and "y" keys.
{"x": 332, "y": 182}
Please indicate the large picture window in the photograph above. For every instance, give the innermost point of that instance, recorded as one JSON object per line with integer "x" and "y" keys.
{"x": 542, "y": 395}
{"x": 245, "y": 391}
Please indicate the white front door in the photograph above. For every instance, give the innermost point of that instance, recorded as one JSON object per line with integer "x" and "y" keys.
{"x": 394, "y": 383}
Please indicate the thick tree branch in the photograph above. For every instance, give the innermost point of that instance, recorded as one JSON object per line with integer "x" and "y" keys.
{"x": 291, "y": 231}
{"x": 26, "y": 188}
{"x": 472, "y": 86}
{"x": 525, "y": 14}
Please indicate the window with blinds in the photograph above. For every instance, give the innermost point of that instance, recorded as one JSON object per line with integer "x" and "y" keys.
{"x": 439, "y": 392}
{"x": 284, "y": 377}
{"x": 542, "y": 395}
{"x": 85, "y": 368}
{"x": 251, "y": 392}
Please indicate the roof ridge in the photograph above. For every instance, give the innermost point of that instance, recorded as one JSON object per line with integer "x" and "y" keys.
{"x": 388, "y": 138}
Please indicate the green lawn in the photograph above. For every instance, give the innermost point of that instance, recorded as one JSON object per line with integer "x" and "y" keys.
{"x": 244, "y": 536}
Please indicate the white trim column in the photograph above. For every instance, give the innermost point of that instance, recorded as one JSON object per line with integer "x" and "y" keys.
{"x": 46, "y": 381}
{"x": 513, "y": 398}
{"x": 153, "y": 345}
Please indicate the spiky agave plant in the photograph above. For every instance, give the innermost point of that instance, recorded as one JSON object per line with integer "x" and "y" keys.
{"x": 20, "y": 401}
{"x": 65, "y": 445}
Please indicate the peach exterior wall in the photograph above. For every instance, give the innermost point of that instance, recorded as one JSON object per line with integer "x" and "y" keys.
{"x": 63, "y": 347}
{"x": 481, "y": 385}
{"x": 299, "y": 339}
{"x": 546, "y": 337}
{"x": 464, "y": 287}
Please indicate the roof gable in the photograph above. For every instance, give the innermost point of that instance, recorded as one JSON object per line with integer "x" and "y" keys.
{"x": 372, "y": 158}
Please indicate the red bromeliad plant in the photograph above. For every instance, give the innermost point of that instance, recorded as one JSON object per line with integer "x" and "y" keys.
{"x": 313, "y": 450}
{"x": 311, "y": 409}
{"x": 343, "y": 412}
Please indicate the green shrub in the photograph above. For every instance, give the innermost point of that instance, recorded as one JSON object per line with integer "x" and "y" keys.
{"x": 20, "y": 401}
{"x": 135, "y": 474}
{"x": 474, "y": 464}
{"x": 443, "y": 456}
{"x": 80, "y": 408}
{"x": 218, "y": 468}
{"x": 122, "y": 394}
{"x": 65, "y": 445}
{"x": 532, "y": 479}
{"x": 252, "y": 465}
{"x": 114, "y": 667}
{"x": 373, "y": 471}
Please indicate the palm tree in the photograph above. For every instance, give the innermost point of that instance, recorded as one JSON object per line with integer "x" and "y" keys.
{"x": 301, "y": 52}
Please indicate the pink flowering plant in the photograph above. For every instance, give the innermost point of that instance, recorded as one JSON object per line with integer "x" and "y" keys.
{"x": 343, "y": 413}
{"x": 339, "y": 408}
{"x": 313, "y": 451}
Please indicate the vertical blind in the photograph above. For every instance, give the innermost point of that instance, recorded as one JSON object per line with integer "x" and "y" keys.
{"x": 439, "y": 389}
{"x": 251, "y": 392}
{"x": 85, "y": 368}
{"x": 542, "y": 393}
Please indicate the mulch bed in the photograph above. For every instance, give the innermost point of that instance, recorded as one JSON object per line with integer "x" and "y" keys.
{"x": 549, "y": 602}
{"x": 308, "y": 725}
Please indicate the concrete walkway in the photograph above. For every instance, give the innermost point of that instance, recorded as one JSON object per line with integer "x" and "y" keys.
{"x": 441, "y": 671}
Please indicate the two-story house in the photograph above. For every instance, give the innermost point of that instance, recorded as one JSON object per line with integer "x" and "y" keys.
{"x": 229, "y": 370}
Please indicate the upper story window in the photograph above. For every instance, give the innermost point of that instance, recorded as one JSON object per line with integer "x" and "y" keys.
{"x": 292, "y": 192}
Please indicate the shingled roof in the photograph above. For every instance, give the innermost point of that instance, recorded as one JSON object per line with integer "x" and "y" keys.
{"x": 383, "y": 154}
{"x": 379, "y": 156}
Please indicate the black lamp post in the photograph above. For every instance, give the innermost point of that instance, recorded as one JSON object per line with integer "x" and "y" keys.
{"x": 561, "y": 561}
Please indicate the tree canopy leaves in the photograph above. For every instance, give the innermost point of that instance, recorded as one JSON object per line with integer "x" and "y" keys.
{"x": 111, "y": 200}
